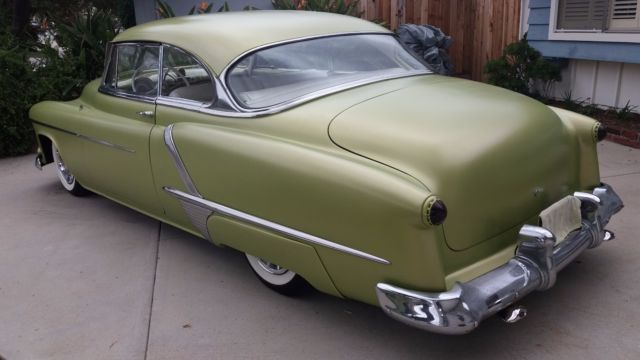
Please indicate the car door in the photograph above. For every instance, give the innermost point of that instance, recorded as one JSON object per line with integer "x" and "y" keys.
{"x": 119, "y": 126}
{"x": 186, "y": 86}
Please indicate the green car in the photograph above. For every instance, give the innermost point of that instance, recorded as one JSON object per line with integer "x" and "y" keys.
{"x": 326, "y": 151}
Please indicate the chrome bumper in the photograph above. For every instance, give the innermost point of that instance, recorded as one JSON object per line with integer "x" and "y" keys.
{"x": 537, "y": 260}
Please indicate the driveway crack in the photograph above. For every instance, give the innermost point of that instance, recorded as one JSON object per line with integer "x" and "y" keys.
{"x": 618, "y": 175}
{"x": 153, "y": 289}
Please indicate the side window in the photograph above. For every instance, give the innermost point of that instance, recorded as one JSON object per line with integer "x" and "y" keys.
{"x": 184, "y": 78}
{"x": 133, "y": 69}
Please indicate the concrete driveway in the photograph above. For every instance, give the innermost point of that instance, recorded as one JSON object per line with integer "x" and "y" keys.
{"x": 86, "y": 278}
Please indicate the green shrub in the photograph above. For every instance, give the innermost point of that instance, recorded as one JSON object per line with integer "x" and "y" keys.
{"x": 624, "y": 112}
{"x": 84, "y": 41}
{"x": 16, "y": 84}
{"x": 32, "y": 71}
{"x": 521, "y": 68}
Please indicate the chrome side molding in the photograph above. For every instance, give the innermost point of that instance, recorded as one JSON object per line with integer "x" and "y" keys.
{"x": 199, "y": 210}
{"x": 209, "y": 208}
{"x": 88, "y": 138}
{"x": 177, "y": 160}
{"x": 537, "y": 260}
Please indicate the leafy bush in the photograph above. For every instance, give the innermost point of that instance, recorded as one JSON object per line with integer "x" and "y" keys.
{"x": 519, "y": 69}
{"x": 346, "y": 7}
{"x": 16, "y": 83}
{"x": 84, "y": 41}
{"x": 33, "y": 70}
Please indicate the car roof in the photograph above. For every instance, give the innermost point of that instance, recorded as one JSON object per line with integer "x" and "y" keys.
{"x": 217, "y": 39}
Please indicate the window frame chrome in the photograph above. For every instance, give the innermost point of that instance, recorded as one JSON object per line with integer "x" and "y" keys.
{"x": 223, "y": 104}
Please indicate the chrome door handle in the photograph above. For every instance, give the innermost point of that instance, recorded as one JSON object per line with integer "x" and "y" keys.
{"x": 147, "y": 113}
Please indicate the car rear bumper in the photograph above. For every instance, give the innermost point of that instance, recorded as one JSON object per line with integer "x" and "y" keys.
{"x": 537, "y": 260}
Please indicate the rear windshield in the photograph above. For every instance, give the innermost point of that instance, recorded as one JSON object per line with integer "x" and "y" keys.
{"x": 286, "y": 72}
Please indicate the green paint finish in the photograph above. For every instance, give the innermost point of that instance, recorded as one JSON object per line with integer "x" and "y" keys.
{"x": 485, "y": 164}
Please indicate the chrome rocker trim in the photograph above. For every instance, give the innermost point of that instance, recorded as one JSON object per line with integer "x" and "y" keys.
{"x": 537, "y": 260}
{"x": 88, "y": 138}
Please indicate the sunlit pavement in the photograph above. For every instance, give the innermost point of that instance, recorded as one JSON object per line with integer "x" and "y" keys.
{"x": 86, "y": 278}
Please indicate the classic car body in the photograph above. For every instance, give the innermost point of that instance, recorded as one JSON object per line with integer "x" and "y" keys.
{"x": 387, "y": 184}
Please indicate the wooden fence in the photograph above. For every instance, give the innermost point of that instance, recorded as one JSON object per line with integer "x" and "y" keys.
{"x": 480, "y": 28}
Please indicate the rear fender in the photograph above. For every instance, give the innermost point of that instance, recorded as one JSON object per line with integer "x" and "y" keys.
{"x": 326, "y": 193}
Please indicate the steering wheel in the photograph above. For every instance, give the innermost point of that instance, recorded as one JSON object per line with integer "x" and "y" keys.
{"x": 177, "y": 74}
{"x": 141, "y": 84}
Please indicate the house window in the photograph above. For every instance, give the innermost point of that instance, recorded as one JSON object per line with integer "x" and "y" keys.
{"x": 597, "y": 15}
{"x": 595, "y": 20}
{"x": 624, "y": 15}
{"x": 582, "y": 14}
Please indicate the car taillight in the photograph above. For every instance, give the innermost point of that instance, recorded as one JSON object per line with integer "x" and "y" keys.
{"x": 599, "y": 132}
{"x": 434, "y": 211}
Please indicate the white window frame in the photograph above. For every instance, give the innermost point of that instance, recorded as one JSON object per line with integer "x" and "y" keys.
{"x": 587, "y": 35}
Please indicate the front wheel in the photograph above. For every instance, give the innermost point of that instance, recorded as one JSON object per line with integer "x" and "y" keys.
{"x": 277, "y": 278}
{"x": 67, "y": 179}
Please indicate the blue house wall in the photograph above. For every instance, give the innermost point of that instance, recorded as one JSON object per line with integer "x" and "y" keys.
{"x": 538, "y": 36}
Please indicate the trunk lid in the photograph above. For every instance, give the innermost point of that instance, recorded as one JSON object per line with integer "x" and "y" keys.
{"x": 496, "y": 158}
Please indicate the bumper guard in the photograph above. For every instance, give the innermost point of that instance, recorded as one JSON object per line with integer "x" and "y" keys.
{"x": 537, "y": 260}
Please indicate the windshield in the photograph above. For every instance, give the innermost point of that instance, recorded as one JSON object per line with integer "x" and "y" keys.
{"x": 285, "y": 72}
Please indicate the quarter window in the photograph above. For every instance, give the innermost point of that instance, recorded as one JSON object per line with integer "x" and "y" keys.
{"x": 183, "y": 77}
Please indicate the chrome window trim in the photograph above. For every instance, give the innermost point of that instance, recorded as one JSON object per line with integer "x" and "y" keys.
{"x": 214, "y": 208}
{"x": 192, "y": 105}
{"x": 200, "y": 107}
{"x": 88, "y": 138}
{"x": 297, "y": 101}
{"x": 251, "y": 113}
{"x": 146, "y": 99}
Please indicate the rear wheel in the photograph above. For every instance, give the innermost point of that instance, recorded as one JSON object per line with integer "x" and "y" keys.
{"x": 277, "y": 278}
{"x": 67, "y": 179}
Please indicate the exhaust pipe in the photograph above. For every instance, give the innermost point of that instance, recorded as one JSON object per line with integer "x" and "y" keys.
{"x": 513, "y": 314}
{"x": 608, "y": 235}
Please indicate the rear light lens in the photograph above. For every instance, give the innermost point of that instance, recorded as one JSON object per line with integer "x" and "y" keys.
{"x": 599, "y": 132}
{"x": 434, "y": 211}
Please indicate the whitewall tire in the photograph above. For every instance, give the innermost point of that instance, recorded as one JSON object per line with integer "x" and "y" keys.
{"x": 277, "y": 278}
{"x": 67, "y": 179}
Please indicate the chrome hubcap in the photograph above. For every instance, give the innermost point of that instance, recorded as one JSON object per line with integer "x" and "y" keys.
{"x": 66, "y": 174}
{"x": 272, "y": 268}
